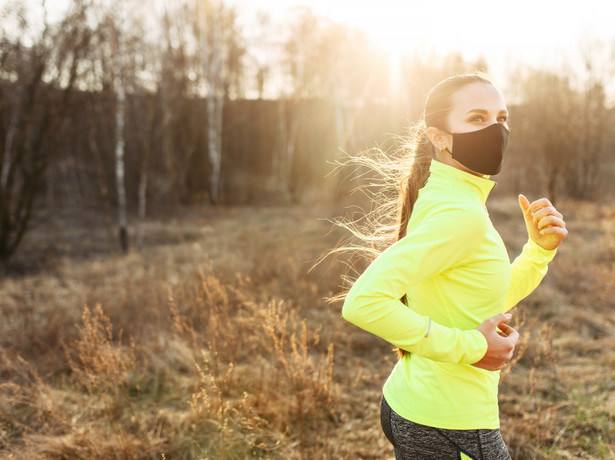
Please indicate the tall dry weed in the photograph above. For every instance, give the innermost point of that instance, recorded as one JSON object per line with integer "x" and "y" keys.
{"x": 307, "y": 376}
{"x": 28, "y": 405}
{"x": 100, "y": 364}
{"x": 259, "y": 372}
{"x": 225, "y": 425}
{"x": 101, "y": 361}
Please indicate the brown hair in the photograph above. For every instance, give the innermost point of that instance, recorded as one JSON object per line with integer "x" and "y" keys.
{"x": 401, "y": 176}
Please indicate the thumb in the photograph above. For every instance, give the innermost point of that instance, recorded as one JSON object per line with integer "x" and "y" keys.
{"x": 524, "y": 204}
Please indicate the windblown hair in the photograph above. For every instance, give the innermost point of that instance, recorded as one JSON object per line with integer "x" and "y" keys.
{"x": 399, "y": 177}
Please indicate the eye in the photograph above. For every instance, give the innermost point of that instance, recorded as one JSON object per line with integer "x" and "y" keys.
{"x": 477, "y": 118}
{"x": 503, "y": 119}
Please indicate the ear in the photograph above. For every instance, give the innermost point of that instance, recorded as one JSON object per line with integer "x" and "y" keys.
{"x": 438, "y": 138}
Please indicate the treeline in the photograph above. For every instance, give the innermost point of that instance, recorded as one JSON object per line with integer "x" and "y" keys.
{"x": 136, "y": 109}
{"x": 274, "y": 151}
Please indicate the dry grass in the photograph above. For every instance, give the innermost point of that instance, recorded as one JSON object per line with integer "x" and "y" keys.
{"x": 214, "y": 342}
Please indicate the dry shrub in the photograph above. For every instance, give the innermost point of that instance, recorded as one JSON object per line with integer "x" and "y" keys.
{"x": 207, "y": 310}
{"x": 261, "y": 377}
{"x": 38, "y": 421}
{"x": 531, "y": 387}
{"x": 547, "y": 411}
{"x": 94, "y": 443}
{"x": 28, "y": 405}
{"x": 307, "y": 379}
{"x": 100, "y": 364}
{"x": 224, "y": 426}
{"x": 35, "y": 319}
{"x": 233, "y": 367}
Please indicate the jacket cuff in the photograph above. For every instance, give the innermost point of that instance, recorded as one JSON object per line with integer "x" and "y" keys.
{"x": 451, "y": 345}
{"x": 536, "y": 253}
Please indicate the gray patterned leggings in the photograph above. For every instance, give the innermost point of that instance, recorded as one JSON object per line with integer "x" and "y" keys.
{"x": 413, "y": 441}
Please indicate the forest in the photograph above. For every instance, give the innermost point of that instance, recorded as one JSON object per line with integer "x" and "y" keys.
{"x": 114, "y": 107}
{"x": 168, "y": 176}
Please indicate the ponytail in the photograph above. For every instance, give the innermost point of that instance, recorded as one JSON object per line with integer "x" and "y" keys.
{"x": 421, "y": 154}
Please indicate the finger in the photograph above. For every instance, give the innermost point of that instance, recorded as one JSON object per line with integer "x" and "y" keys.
{"x": 539, "y": 204}
{"x": 558, "y": 231}
{"x": 509, "y": 335}
{"x": 551, "y": 221}
{"x": 524, "y": 203}
{"x": 544, "y": 212}
{"x": 505, "y": 329}
{"x": 513, "y": 336}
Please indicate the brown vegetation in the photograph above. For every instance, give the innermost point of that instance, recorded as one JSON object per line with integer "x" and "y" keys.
{"x": 214, "y": 342}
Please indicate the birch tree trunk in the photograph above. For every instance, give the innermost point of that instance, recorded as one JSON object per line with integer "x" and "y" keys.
{"x": 119, "y": 132}
{"x": 8, "y": 144}
{"x": 144, "y": 169}
{"x": 345, "y": 134}
{"x": 285, "y": 152}
{"x": 143, "y": 176}
{"x": 212, "y": 61}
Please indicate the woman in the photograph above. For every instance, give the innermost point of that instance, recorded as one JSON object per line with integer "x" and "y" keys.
{"x": 442, "y": 291}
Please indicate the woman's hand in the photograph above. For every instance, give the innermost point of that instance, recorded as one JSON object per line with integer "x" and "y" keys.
{"x": 545, "y": 225}
{"x": 500, "y": 343}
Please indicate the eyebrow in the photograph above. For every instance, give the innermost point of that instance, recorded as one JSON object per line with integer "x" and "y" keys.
{"x": 484, "y": 112}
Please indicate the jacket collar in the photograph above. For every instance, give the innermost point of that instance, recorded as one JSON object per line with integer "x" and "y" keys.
{"x": 447, "y": 174}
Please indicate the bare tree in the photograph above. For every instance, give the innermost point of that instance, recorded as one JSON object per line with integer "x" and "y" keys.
{"x": 180, "y": 129}
{"x": 322, "y": 63}
{"x": 546, "y": 130}
{"x": 301, "y": 60}
{"x": 263, "y": 56}
{"x": 593, "y": 119}
{"x": 221, "y": 56}
{"x": 119, "y": 127}
{"x": 36, "y": 88}
{"x": 212, "y": 60}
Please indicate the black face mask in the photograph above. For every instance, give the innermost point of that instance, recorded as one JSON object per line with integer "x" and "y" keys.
{"x": 482, "y": 150}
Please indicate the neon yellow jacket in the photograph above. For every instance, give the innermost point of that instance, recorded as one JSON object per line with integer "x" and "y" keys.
{"x": 454, "y": 268}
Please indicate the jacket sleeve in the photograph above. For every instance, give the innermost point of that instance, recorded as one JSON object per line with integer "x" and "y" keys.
{"x": 527, "y": 271}
{"x": 442, "y": 241}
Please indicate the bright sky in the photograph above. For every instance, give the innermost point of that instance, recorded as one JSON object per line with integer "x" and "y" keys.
{"x": 531, "y": 31}
{"x": 535, "y": 27}
{"x": 543, "y": 33}
{"x": 506, "y": 33}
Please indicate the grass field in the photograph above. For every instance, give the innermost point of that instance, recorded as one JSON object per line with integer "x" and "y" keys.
{"x": 213, "y": 341}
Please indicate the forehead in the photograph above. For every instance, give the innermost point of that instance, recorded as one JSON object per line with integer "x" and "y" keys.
{"x": 478, "y": 96}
